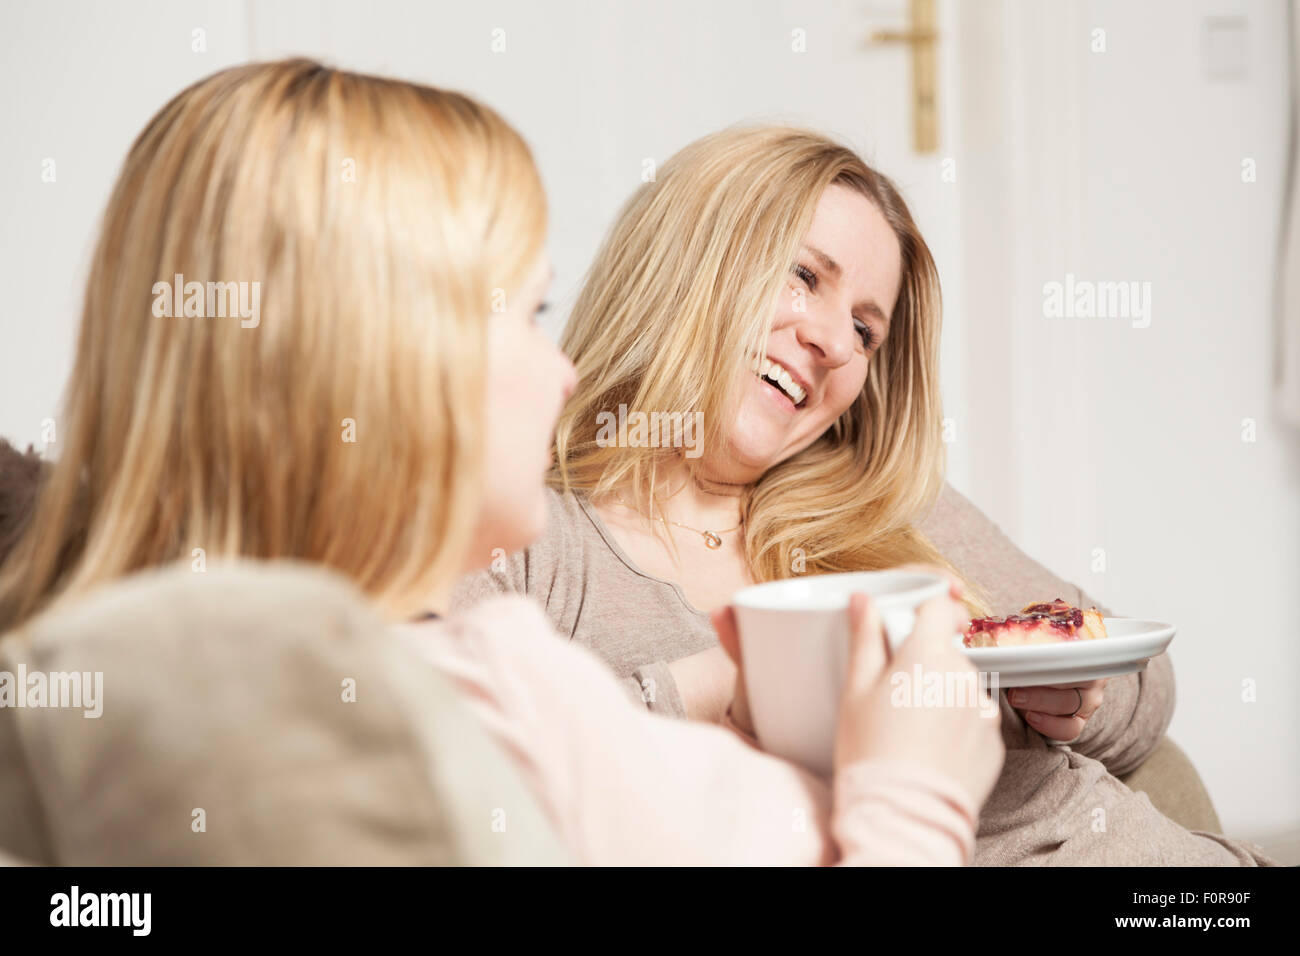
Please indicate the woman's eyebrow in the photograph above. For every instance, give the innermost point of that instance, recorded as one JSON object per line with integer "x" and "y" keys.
{"x": 826, "y": 262}
{"x": 833, "y": 268}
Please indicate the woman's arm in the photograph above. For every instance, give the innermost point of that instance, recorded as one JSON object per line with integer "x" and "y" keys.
{"x": 1132, "y": 719}
{"x": 877, "y": 805}
{"x": 627, "y": 787}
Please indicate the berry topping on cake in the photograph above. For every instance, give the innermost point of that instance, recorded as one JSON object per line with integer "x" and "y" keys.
{"x": 1037, "y": 624}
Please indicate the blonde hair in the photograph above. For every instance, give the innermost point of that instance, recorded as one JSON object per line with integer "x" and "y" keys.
{"x": 680, "y": 299}
{"x": 377, "y": 217}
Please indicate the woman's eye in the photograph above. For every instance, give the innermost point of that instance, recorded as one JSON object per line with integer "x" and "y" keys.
{"x": 540, "y": 309}
{"x": 864, "y": 333}
{"x": 809, "y": 277}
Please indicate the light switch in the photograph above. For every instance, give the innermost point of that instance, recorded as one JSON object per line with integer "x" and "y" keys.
{"x": 1223, "y": 48}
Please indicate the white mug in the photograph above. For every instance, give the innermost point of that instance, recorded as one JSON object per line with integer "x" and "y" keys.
{"x": 794, "y": 647}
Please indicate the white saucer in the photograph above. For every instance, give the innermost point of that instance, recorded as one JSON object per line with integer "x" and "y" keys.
{"x": 1128, "y": 646}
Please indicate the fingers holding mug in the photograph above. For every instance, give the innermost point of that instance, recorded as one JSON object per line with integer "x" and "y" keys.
{"x": 868, "y": 644}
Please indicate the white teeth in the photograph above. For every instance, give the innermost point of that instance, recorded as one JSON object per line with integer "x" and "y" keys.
{"x": 783, "y": 378}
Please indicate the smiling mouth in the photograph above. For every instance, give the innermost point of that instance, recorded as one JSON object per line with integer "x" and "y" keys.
{"x": 780, "y": 379}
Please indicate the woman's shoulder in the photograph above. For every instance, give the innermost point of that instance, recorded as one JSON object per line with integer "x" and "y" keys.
{"x": 566, "y": 514}
{"x": 542, "y": 566}
{"x": 983, "y": 552}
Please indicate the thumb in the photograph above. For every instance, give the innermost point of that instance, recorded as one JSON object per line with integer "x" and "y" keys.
{"x": 724, "y": 624}
{"x": 938, "y": 621}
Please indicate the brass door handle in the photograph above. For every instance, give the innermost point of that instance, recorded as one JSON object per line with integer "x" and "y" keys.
{"x": 921, "y": 38}
{"x": 894, "y": 36}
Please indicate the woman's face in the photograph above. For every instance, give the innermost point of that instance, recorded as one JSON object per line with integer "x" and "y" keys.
{"x": 830, "y": 319}
{"x": 528, "y": 382}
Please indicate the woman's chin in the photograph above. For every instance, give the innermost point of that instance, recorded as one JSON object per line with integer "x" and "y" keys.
{"x": 527, "y": 524}
{"x": 507, "y": 531}
{"x": 742, "y": 465}
{"x": 758, "y": 441}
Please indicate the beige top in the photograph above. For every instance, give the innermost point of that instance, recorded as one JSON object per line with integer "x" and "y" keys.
{"x": 1053, "y": 804}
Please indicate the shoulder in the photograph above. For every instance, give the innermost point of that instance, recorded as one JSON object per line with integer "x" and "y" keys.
{"x": 568, "y": 527}
{"x": 558, "y": 555}
{"x": 568, "y": 522}
{"x": 983, "y": 552}
{"x": 532, "y": 570}
{"x": 954, "y": 517}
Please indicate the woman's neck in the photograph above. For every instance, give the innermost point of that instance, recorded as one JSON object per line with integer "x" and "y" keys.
{"x": 690, "y": 500}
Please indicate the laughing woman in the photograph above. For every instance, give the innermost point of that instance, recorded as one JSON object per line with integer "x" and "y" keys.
{"x": 376, "y": 307}
{"x": 774, "y": 287}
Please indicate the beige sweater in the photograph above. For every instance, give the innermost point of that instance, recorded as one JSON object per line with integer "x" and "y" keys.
{"x": 1053, "y": 804}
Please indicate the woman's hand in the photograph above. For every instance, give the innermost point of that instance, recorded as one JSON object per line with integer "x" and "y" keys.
{"x": 1058, "y": 711}
{"x": 961, "y": 738}
{"x": 1054, "y": 710}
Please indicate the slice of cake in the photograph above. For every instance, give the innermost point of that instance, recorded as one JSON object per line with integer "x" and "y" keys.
{"x": 1037, "y": 624}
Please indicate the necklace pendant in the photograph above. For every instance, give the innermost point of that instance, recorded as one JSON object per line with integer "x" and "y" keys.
{"x": 712, "y": 541}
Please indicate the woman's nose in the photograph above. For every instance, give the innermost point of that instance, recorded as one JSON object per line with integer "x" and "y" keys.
{"x": 828, "y": 333}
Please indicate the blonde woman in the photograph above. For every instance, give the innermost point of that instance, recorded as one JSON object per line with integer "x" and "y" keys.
{"x": 379, "y": 418}
{"x": 757, "y": 351}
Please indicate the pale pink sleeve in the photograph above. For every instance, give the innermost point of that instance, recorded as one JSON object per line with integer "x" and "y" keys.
{"x": 629, "y": 787}
{"x": 889, "y": 813}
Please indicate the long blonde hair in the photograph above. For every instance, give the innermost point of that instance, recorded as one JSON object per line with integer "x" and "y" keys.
{"x": 376, "y": 217}
{"x": 680, "y": 299}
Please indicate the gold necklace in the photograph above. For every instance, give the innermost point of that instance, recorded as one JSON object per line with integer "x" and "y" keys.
{"x": 712, "y": 539}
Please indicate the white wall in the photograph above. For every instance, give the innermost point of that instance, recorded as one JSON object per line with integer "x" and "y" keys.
{"x": 78, "y": 81}
{"x": 1095, "y": 434}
